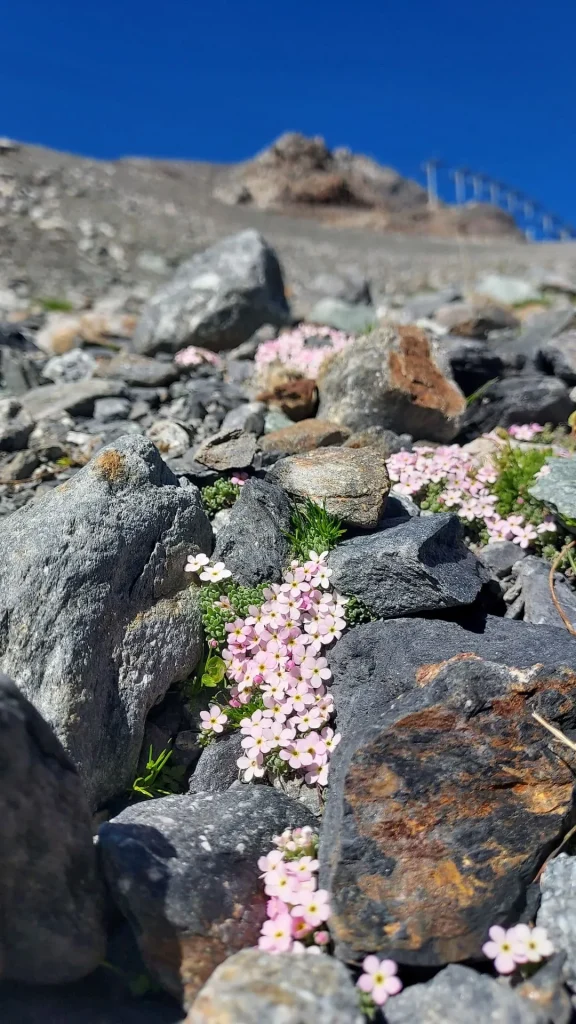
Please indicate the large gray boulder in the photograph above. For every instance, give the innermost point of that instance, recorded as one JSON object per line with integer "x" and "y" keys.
{"x": 217, "y": 299}
{"x": 97, "y": 618}
{"x": 458, "y": 994}
{"x": 557, "y": 487}
{"x": 557, "y": 913}
{"x": 419, "y": 565}
{"x": 391, "y": 378}
{"x": 527, "y": 398}
{"x": 184, "y": 871}
{"x": 50, "y": 908}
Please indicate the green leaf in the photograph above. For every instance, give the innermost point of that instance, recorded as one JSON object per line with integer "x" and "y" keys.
{"x": 214, "y": 671}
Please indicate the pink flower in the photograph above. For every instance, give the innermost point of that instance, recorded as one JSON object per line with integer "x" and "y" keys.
{"x": 215, "y": 573}
{"x": 504, "y": 949}
{"x": 239, "y": 479}
{"x": 193, "y": 355}
{"x": 213, "y": 719}
{"x": 252, "y": 767}
{"x": 313, "y": 907}
{"x": 322, "y": 938}
{"x": 533, "y": 943}
{"x": 276, "y": 935}
{"x": 196, "y": 562}
{"x": 379, "y": 979}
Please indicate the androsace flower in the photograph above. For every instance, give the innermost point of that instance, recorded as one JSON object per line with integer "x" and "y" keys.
{"x": 504, "y": 948}
{"x": 196, "y": 563}
{"x": 214, "y": 719}
{"x": 533, "y": 943}
{"x": 215, "y": 573}
{"x": 379, "y": 979}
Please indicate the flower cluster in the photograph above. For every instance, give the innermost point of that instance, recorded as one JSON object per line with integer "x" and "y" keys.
{"x": 509, "y": 947}
{"x": 297, "y": 909}
{"x": 274, "y": 659}
{"x": 193, "y": 355}
{"x": 448, "y": 478}
{"x": 303, "y": 349}
{"x": 379, "y": 979}
{"x": 200, "y": 564}
{"x": 525, "y": 431}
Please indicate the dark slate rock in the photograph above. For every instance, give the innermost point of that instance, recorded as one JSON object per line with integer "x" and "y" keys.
{"x": 228, "y": 449}
{"x": 97, "y": 616}
{"x": 84, "y": 1003}
{"x": 460, "y": 994}
{"x": 473, "y": 363}
{"x": 217, "y": 299}
{"x": 557, "y": 488}
{"x": 533, "y": 577}
{"x": 106, "y": 410}
{"x": 260, "y": 988}
{"x": 253, "y": 543}
{"x": 78, "y": 397}
{"x": 441, "y": 810}
{"x": 138, "y": 371}
{"x": 375, "y": 663}
{"x": 248, "y": 417}
{"x": 559, "y": 357}
{"x": 217, "y": 770}
{"x": 19, "y": 370}
{"x": 416, "y": 566}
{"x": 535, "y": 335}
{"x": 351, "y": 287}
{"x": 52, "y": 924}
{"x": 520, "y": 399}
{"x": 500, "y": 556}
{"x": 184, "y": 871}
{"x": 557, "y": 911}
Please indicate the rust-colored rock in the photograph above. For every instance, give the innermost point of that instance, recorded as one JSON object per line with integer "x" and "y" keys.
{"x": 297, "y": 398}
{"x": 304, "y": 437}
{"x": 441, "y": 814}
{"x": 351, "y": 483}
{"x": 391, "y": 378}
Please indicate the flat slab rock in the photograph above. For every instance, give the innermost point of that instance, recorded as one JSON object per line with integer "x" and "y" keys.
{"x": 351, "y": 483}
{"x": 97, "y": 616}
{"x": 79, "y": 396}
{"x": 228, "y": 449}
{"x": 417, "y": 566}
{"x": 183, "y": 870}
{"x": 259, "y": 988}
{"x": 52, "y": 915}
{"x": 441, "y": 811}
{"x": 375, "y": 663}
{"x": 304, "y": 437}
{"x": 558, "y": 487}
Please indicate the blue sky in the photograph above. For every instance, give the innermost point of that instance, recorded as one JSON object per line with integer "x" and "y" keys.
{"x": 488, "y": 85}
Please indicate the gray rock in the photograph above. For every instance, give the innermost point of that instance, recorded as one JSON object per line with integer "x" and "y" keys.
{"x": 535, "y": 335}
{"x": 15, "y": 425}
{"x": 20, "y": 466}
{"x": 217, "y": 299}
{"x": 52, "y": 922}
{"x": 420, "y": 565}
{"x": 351, "y": 287}
{"x": 216, "y": 769}
{"x": 458, "y": 994}
{"x": 375, "y": 663}
{"x": 51, "y": 401}
{"x": 533, "y": 574}
{"x": 275, "y": 419}
{"x": 378, "y": 437}
{"x": 248, "y": 417}
{"x": 253, "y": 543}
{"x": 71, "y": 366}
{"x": 424, "y": 305}
{"x": 521, "y": 399}
{"x": 558, "y": 356}
{"x": 138, "y": 371}
{"x": 19, "y": 370}
{"x": 557, "y": 913}
{"x": 507, "y": 290}
{"x": 399, "y": 506}
{"x": 228, "y": 449}
{"x": 557, "y": 487}
{"x": 351, "y": 483}
{"x": 97, "y": 568}
{"x": 109, "y": 409}
{"x": 475, "y": 319}
{"x": 354, "y": 319}
{"x": 259, "y": 988}
{"x": 184, "y": 871}
{"x": 545, "y": 991}
{"x": 500, "y": 556}
{"x": 171, "y": 439}
{"x": 391, "y": 378}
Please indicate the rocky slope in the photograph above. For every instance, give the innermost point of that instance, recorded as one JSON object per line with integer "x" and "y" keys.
{"x": 277, "y": 610}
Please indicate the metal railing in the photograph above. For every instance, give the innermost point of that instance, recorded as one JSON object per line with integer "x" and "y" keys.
{"x": 461, "y": 185}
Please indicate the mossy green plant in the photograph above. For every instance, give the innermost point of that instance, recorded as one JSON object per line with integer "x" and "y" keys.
{"x": 51, "y": 304}
{"x": 160, "y": 778}
{"x": 219, "y": 495}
